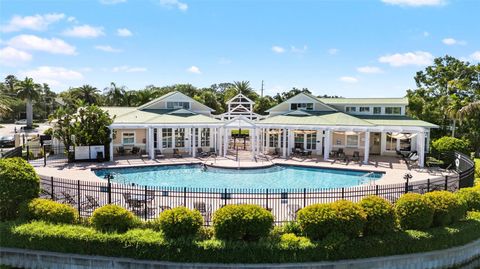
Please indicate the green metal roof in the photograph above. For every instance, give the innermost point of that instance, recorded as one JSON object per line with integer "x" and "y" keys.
{"x": 317, "y": 118}
{"x": 396, "y": 121}
{"x": 365, "y": 101}
{"x": 131, "y": 115}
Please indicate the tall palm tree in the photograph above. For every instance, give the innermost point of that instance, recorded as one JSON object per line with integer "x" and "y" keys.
{"x": 115, "y": 95}
{"x": 29, "y": 91}
{"x": 242, "y": 87}
{"x": 452, "y": 110}
{"x": 88, "y": 93}
{"x": 469, "y": 109}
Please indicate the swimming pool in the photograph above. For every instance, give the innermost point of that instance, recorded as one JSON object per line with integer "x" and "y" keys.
{"x": 275, "y": 177}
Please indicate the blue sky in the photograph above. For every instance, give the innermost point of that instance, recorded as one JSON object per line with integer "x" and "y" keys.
{"x": 348, "y": 48}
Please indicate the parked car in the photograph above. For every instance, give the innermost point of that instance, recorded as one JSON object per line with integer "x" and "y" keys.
{"x": 7, "y": 141}
{"x": 21, "y": 122}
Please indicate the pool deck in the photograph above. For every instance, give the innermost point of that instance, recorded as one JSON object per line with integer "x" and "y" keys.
{"x": 394, "y": 168}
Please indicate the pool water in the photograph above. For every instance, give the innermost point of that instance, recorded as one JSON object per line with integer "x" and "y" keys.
{"x": 276, "y": 177}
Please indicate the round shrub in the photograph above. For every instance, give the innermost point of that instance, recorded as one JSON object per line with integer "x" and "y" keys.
{"x": 414, "y": 211}
{"x": 443, "y": 147}
{"x": 380, "y": 214}
{"x": 341, "y": 216}
{"x": 290, "y": 241}
{"x": 18, "y": 183}
{"x": 447, "y": 207}
{"x": 471, "y": 198}
{"x": 242, "y": 222}
{"x": 113, "y": 218}
{"x": 50, "y": 211}
{"x": 179, "y": 222}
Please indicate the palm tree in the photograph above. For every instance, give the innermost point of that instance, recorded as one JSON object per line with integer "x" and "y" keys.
{"x": 88, "y": 93}
{"x": 452, "y": 110}
{"x": 29, "y": 91}
{"x": 115, "y": 95}
{"x": 244, "y": 88}
{"x": 469, "y": 109}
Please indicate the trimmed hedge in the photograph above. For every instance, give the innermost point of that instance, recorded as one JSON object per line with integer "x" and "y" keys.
{"x": 380, "y": 213}
{"x": 447, "y": 207}
{"x": 471, "y": 198}
{"x": 18, "y": 183}
{"x": 346, "y": 217}
{"x": 414, "y": 211}
{"x": 443, "y": 146}
{"x": 113, "y": 218}
{"x": 48, "y": 210}
{"x": 149, "y": 244}
{"x": 242, "y": 222}
{"x": 179, "y": 222}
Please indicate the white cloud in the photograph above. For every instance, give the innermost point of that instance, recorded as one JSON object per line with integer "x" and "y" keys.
{"x": 174, "y": 4}
{"x": 419, "y": 58}
{"x": 452, "y": 41}
{"x": 349, "y": 79}
{"x": 194, "y": 69}
{"x": 112, "y": 2}
{"x": 128, "y": 69}
{"x": 369, "y": 70}
{"x": 299, "y": 50}
{"x": 415, "y": 3}
{"x": 72, "y": 19}
{"x": 32, "y": 42}
{"x": 333, "y": 51}
{"x": 124, "y": 32}
{"x": 278, "y": 49}
{"x": 475, "y": 56}
{"x": 12, "y": 57}
{"x": 54, "y": 76}
{"x": 84, "y": 31}
{"x": 107, "y": 48}
{"x": 36, "y": 22}
{"x": 426, "y": 34}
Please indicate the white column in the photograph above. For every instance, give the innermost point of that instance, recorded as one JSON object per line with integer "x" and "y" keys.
{"x": 254, "y": 142}
{"x": 214, "y": 133}
{"x": 111, "y": 144}
{"x": 421, "y": 148}
{"x": 173, "y": 138}
{"x": 319, "y": 141}
{"x": 284, "y": 143}
{"x": 194, "y": 142}
{"x": 225, "y": 142}
{"x": 267, "y": 138}
{"x": 291, "y": 141}
{"x": 258, "y": 139}
{"x": 199, "y": 137}
{"x": 327, "y": 146}
{"x": 367, "y": 147}
{"x": 150, "y": 143}
{"x": 160, "y": 139}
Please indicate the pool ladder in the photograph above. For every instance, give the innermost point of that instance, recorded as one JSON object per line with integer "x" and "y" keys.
{"x": 366, "y": 179}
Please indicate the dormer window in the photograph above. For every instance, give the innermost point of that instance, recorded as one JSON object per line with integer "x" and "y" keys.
{"x": 350, "y": 109}
{"x": 393, "y": 110}
{"x": 178, "y": 105}
{"x": 301, "y": 106}
{"x": 377, "y": 110}
{"x": 364, "y": 109}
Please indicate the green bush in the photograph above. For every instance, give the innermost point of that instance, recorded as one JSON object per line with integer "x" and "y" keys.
{"x": 292, "y": 242}
{"x": 447, "y": 207}
{"x": 18, "y": 183}
{"x": 179, "y": 222}
{"x": 341, "y": 216}
{"x": 471, "y": 198}
{"x": 380, "y": 213}
{"x": 48, "y": 210}
{"x": 113, "y": 218}
{"x": 442, "y": 148}
{"x": 242, "y": 222}
{"x": 414, "y": 211}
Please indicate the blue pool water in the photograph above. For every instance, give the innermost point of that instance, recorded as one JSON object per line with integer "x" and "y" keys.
{"x": 276, "y": 177}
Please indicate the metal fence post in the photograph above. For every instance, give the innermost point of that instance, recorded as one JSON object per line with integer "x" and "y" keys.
{"x": 446, "y": 182}
{"x": 428, "y": 185}
{"x": 406, "y": 187}
{"x": 304, "y": 197}
{"x": 343, "y": 193}
{"x": 145, "y": 201}
{"x": 44, "y": 156}
{"x": 109, "y": 189}
{"x": 225, "y": 196}
{"x": 185, "y": 196}
{"x": 51, "y": 184}
{"x": 78, "y": 199}
{"x": 376, "y": 189}
{"x": 28, "y": 151}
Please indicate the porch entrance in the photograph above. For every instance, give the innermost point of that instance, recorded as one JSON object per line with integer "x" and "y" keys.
{"x": 375, "y": 147}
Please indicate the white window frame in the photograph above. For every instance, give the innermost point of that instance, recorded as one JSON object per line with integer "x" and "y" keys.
{"x": 178, "y": 105}
{"x": 167, "y": 138}
{"x": 364, "y": 112}
{"x": 393, "y": 107}
{"x": 373, "y": 110}
{"x": 302, "y": 106}
{"x": 351, "y": 145}
{"x": 351, "y": 109}
{"x": 205, "y": 137}
{"x": 134, "y": 138}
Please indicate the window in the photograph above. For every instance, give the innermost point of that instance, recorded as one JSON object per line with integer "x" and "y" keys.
{"x": 205, "y": 137}
{"x": 180, "y": 138}
{"x": 167, "y": 137}
{"x": 405, "y": 144}
{"x": 128, "y": 138}
{"x": 298, "y": 138}
{"x": 174, "y": 105}
{"x": 393, "y": 110}
{"x": 391, "y": 142}
{"x": 273, "y": 140}
{"x": 312, "y": 141}
{"x": 350, "y": 109}
{"x": 365, "y": 109}
{"x": 352, "y": 141}
{"x": 377, "y": 110}
{"x": 155, "y": 138}
{"x": 301, "y": 106}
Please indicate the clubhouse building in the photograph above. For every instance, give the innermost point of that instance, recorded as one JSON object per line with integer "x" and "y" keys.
{"x": 304, "y": 125}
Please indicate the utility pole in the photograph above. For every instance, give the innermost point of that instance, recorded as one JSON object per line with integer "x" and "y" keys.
{"x": 261, "y": 91}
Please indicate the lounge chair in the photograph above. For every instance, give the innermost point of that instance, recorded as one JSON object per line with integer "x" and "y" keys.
{"x": 212, "y": 152}
{"x": 158, "y": 154}
{"x": 176, "y": 153}
{"x": 143, "y": 154}
{"x": 292, "y": 210}
{"x": 356, "y": 156}
{"x": 121, "y": 151}
{"x": 204, "y": 209}
{"x": 135, "y": 150}
{"x": 276, "y": 152}
{"x": 202, "y": 153}
{"x": 91, "y": 203}
{"x": 412, "y": 160}
{"x": 400, "y": 154}
{"x": 68, "y": 198}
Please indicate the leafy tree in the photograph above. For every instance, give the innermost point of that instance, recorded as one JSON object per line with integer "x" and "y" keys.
{"x": 30, "y": 91}
{"x": 63, "y": 125}
{"x": 263, "y": 104}
{"x": 115, "y": 94}
{"x": 89, "y": 94}
{"x": 281, "y": 97}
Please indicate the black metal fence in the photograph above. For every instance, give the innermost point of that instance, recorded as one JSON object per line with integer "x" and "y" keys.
{"x": 39, "y": 155}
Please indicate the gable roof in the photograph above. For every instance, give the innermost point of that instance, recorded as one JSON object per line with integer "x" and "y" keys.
{"x": 241, "y": 96}
{"x": 313, "y": 97}
{"x": 387, "y": 120}
{"x": 365, "y": 101}
{"x": 330, "y": 118}
{"x": 161, "y": 98}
